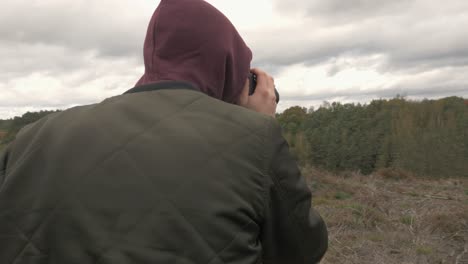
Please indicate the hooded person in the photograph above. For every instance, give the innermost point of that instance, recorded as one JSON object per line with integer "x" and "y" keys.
{"x": 192, "y": 41}
{"x": 179, "y": 169}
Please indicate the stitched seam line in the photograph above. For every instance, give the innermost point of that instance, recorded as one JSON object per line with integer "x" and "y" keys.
{"x": 33, "y": 146}
{"x": 229, "y": 244}
{"x": 18, "y": 163}
{"x": 24, "y": 236}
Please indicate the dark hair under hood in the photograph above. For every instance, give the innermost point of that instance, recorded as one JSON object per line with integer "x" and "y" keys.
{"x": 190, "y": 40}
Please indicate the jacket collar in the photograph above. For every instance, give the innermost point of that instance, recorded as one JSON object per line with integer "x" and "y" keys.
{"x": 162, "y": 85}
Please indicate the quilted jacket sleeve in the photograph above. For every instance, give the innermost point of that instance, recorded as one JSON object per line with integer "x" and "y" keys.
{"x": 293, "y": 232}
{"x": 3, "y": 164}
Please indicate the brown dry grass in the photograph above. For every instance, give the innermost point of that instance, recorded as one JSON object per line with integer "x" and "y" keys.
{"x": 392, "y": 217}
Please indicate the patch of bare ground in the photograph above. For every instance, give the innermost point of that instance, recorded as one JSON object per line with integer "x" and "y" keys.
{"x": 392, "y": 217}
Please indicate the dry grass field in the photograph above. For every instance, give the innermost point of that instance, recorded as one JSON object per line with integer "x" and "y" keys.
{"x": 392, "y": 217}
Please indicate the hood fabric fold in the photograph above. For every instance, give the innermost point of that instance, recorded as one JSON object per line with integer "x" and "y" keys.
{"x": 190, "y": 40}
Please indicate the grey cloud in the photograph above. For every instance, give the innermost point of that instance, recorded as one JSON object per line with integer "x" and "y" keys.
{"x": 57, "y": 61}
{"x": 416, "y": 48}
{"x": 78, "y": 25}
{"x": 61, "y": 38}
{"x": 354, "y": 11}
{"x": 413, "y": 35}
{"x": 95, "y": 79}
{"x": 434, "y": 84}
{"x": 20, "y": 59}
{"x": 338, "y": 11}
{"x": 58, "y": 54}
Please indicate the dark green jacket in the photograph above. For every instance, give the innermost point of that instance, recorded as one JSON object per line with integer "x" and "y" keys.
{"x": 157, "y": 175}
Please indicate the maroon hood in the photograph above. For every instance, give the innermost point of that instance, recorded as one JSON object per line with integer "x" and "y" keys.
{"x": 190, "y": 40}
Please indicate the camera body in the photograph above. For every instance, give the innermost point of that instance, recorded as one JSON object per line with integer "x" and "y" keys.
{"x": 253, "y": 85}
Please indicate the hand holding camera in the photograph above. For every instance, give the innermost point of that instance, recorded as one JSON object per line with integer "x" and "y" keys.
{"x": 253, "y": 85}
{"x": 261, "y": 97}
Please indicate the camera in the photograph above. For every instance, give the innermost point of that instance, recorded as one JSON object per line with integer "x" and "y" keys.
{"x": 253, "y": 85}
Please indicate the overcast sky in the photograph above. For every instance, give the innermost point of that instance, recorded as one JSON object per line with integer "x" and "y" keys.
{"x": 56, "y": 54}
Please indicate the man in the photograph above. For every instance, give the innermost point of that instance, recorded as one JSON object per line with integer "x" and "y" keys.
{"x": 177, "y": 170}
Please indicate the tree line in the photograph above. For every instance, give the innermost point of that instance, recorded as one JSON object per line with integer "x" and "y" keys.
{"x": 428, "y": 137}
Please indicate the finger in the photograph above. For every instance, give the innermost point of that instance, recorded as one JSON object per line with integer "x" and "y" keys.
{"x": 271, "y": 87}
{"x": 271, "y": 82}
{"x": 263, "y": 81}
